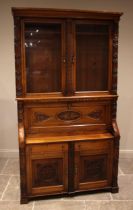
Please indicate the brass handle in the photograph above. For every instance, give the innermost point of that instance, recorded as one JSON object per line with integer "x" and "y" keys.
{"x": 73, "y": 59}
{"x": 64, "y": 60}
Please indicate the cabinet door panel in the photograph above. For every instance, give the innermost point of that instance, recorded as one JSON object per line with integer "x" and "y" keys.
{"x": 92, "y": 57}
{"x": 44, "y": 51}
{"x": 47, "y": 169}
{"x": 93, "y": 162}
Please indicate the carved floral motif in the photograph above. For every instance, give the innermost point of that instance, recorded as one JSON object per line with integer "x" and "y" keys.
{"x": 97, "y": 114}
{"x": 20, "y": 112}
{"x": 68, "y": 115}
{"x": 115, "y": 57}
{"x": 95, "y": 169}
{"x": 39, "y": 117}
{"x": 46, "y": 173}
{"x": 17, "y": 31}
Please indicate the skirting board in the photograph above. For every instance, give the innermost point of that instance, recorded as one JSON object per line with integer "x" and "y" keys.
{"x": 14, "y": 153}
{"x": 126, "y": 154}
{"x": 9, "y": 153}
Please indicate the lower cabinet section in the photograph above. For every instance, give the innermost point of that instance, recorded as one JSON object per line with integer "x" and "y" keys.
{"x": 49, "y": 170}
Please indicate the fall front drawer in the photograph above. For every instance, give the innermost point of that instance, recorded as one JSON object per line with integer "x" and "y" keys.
{"x": 59, "y": 116}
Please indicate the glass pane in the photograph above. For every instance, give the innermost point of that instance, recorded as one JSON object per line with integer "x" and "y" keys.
{"x": 43, "y": 57}
{"x": 92, "y": 42}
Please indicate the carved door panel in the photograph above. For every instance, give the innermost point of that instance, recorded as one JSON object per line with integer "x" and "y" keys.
{"x": 93, "y": 164}
{"x": 47, "y": 169}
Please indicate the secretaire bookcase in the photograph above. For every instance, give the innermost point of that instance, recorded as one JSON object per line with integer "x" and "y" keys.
{"x": 66, "y": 87}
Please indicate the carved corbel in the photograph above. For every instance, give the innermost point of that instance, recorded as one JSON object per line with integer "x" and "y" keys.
{"x": 22, "y": 152}
{"x": 116, "y": 132}
{"x": 116, "y": 135}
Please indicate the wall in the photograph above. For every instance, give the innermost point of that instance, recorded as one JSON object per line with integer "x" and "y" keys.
{"x": 8, "y": 111}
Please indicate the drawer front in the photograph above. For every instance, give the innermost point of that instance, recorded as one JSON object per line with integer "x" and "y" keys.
{"x": 56, "y": 115}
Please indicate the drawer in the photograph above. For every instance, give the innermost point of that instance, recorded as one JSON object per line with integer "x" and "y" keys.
{"x": 55, "y": 115}
{"x": 47, "y": 149}
{"x": 94, "y": 145}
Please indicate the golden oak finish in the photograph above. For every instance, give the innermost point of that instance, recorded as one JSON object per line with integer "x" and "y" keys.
{"x": 66, "y": 90}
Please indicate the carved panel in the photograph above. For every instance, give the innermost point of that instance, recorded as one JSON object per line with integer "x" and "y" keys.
{"x": 69, "y": 115}
{"x": 17, "y": 32}
{"x": 97, "y": 114}
{"x": 115, "y": 57}
{"x": 93, "y": 168}
{"x": 114, "y": 109}
{"x": 23, "y": 183}
{"x": 39, "y": 117}
{"x": 48, "y": 172}
{"x": 20, "y": 111}
{"x": 115, "y": 162}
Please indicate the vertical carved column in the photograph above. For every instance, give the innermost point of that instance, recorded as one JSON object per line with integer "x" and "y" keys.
{"x": 114, "y": 109}
{"x": 17, "y": 33}
{"x": 114, "y": 67}
{"x": 115, "y": 58}
{"x": 22, "y": 153}
{"x": 115, "y": 166}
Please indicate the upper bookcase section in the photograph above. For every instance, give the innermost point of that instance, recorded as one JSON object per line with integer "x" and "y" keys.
{"x": 62, "y": 53}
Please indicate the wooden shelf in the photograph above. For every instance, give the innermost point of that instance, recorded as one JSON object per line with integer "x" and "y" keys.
{"x": 66, "y": 138}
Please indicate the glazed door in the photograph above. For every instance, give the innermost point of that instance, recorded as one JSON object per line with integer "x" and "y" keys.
{"x": 93, "y": 164}
{"x": 92, "y": 59}
{"x": 64, "y": 57}
{"x": 47, "y": 169}
{"x": 44, "y": 56}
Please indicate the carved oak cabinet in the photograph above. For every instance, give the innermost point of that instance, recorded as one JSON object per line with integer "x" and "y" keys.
{"x": 66, "y": 87}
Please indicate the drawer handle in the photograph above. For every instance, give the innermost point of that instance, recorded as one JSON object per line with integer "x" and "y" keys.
{"x": 64, "y": 60}
{"x": 73, "y": 59}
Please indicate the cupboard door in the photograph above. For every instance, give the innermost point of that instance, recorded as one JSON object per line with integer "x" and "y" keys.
{"x": 93, "y": 164}
{"x": 44, "y": 56}
{"x": 92, "y": 56}
{"x": 47, "y": 168}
